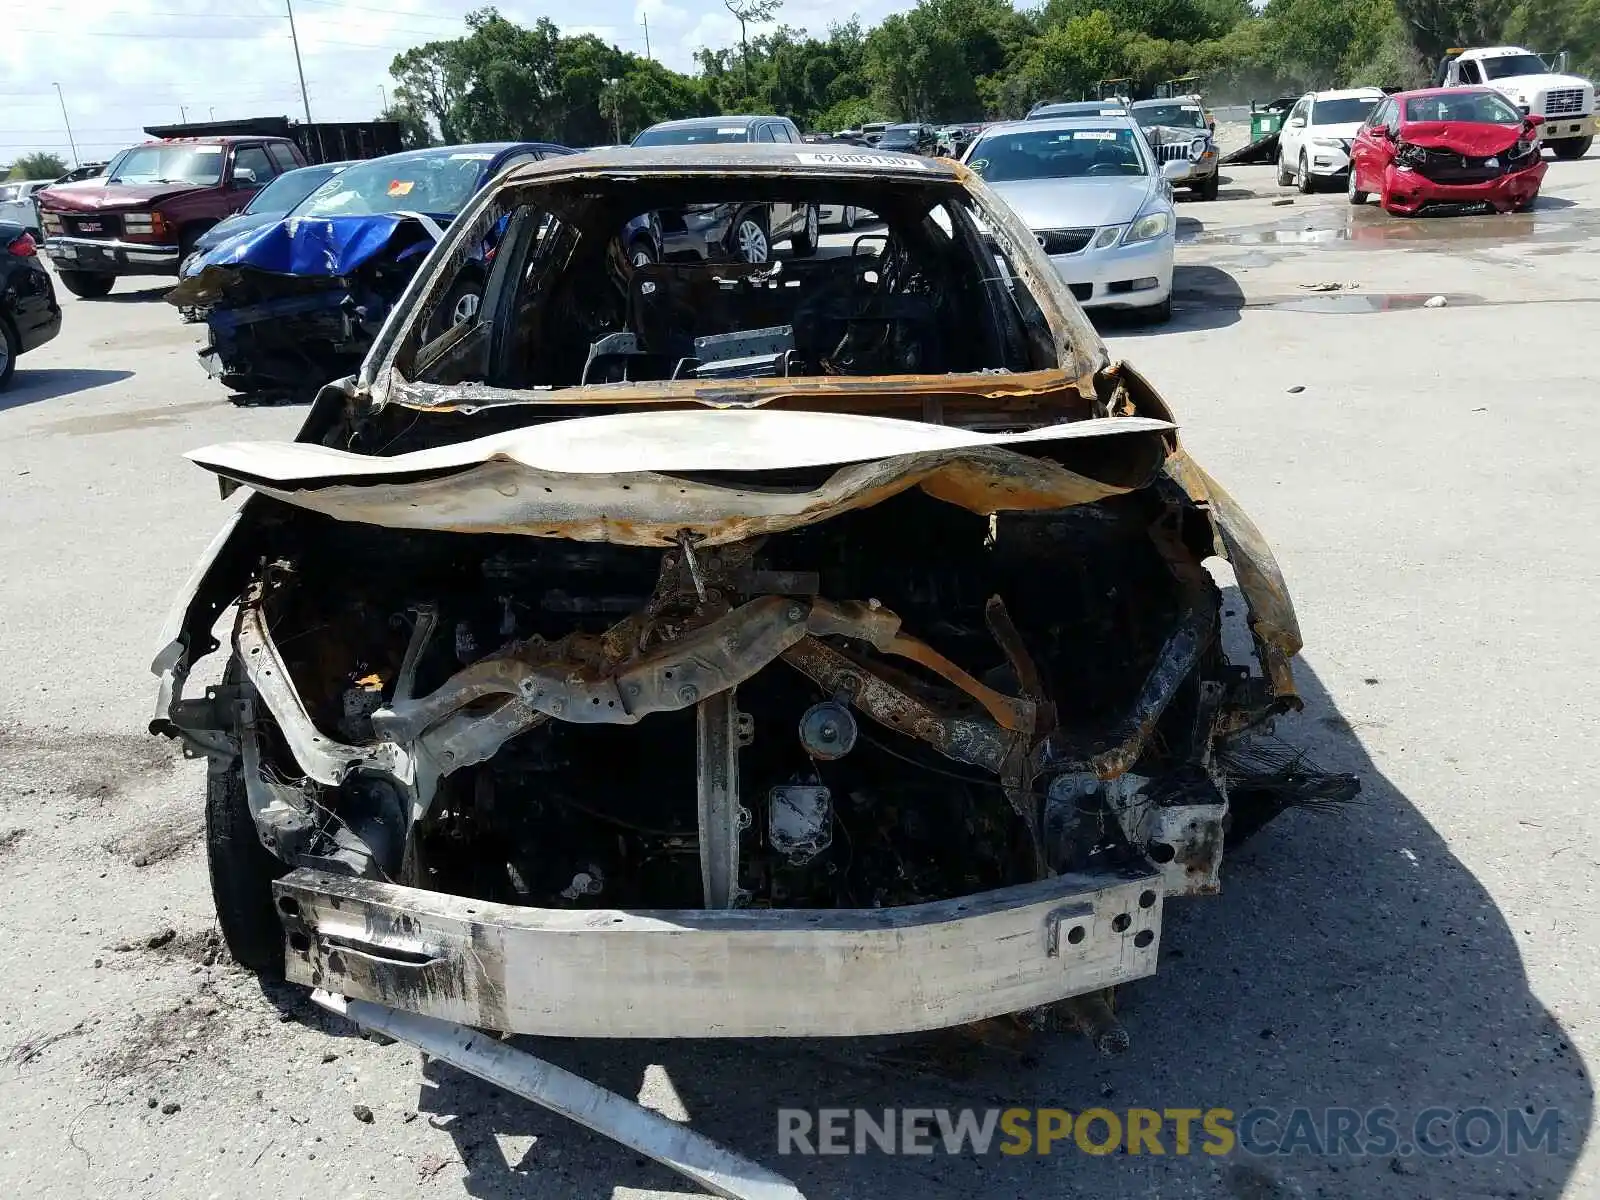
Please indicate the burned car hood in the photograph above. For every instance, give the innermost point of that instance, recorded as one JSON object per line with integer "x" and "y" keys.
{"x": 1474, "y": 138}
{"x": 322, "y": 246}
{"x": 644, "y": 478}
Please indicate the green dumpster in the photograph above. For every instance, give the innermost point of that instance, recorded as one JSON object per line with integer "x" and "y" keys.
{"x": 1264, "y": 121}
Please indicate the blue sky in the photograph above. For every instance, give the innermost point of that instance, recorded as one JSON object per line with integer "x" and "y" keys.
{"x": 124, "y": 64}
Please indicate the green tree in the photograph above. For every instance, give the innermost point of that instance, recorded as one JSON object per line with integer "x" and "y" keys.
{"x": 1067, "y": 59}
{"x": 414, "y": 131}
{"x": 39, "y": 165}
{"x": 428, "y": 81}
{"x": 1434, "y": 26}
{"x": 1551, "y": 25}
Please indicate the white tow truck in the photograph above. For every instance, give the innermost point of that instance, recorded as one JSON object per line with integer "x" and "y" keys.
{"x": 1566, "y": 102}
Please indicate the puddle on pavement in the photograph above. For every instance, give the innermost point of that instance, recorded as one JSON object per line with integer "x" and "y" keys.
{"x": 1371, "y": 227}
{"x": 120, "y": 422}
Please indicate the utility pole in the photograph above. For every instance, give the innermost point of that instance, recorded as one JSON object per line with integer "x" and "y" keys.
{"x": 647, "y": 54}
{"x": 65, "y": 121}
{"x": 183, "y": 112}
{"x": 212, "y": 109}
{"x": 383, "y": 100}
{"x": 295, "y": 37}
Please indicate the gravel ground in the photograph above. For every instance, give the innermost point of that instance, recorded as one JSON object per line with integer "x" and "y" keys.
{"x": 1427, "y": 493}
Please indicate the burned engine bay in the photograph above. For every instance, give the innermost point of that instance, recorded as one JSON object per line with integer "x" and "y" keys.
{"x": 919, "y": 702}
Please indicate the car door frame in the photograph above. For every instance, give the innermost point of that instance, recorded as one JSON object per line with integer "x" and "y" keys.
{"x": 1369, "y": 152}
{"x": 782, "y": 215}
{"x": 1292, "y": 136}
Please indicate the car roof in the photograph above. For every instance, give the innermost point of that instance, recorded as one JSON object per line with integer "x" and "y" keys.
{"x": 1186, "y": 101}
{"x": 713, "y": 122}
{"x": 1067, "y": 108}
{"x": 1045, "y": 124}
{"x": 758, "y": 158}
{"x": 1364, "y": 93}
{"x": 1447, "y": 91}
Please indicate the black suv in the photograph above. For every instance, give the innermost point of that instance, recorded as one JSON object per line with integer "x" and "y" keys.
{"x": 745, "y": 232}
{"x": 910, "y": 139}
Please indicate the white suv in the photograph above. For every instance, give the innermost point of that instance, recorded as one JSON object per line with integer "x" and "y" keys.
{"x": 1315, "y": 140}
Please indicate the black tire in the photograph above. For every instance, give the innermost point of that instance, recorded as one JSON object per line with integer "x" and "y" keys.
{"x": 187, "y": 240}
{"x": 87, "y": 285}
{"x": 848, "y": 218}
{"x": 804, "y": 244}
{"x": 1209, "y": 189}
{"x": 1570, "y": 148}
{"x": 242, "y": 873}
{"x": 1285, "y": 179}
{"x": 1353, "y": 193}
{"x": 1160, "y": 314}
{"x": 1304, "y": 181}
{"x": 10, "y": 347}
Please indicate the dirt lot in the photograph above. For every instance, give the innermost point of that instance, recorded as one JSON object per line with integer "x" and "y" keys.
{"x": 1424, "y": 475}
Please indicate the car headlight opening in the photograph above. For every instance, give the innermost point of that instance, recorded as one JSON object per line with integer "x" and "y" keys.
{"x": 1150, "y": 225}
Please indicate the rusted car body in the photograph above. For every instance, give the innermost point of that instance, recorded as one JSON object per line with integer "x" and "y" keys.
{"x": 822, "y": 647}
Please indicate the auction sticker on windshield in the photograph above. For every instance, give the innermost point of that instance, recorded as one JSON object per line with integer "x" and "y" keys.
{"x": 824, "y": 158}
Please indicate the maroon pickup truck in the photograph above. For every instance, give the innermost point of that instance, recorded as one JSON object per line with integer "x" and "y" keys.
{"x": 143, "y": 215}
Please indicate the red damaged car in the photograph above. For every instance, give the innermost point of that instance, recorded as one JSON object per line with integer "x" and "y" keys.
{"x": 1447, "y": 147}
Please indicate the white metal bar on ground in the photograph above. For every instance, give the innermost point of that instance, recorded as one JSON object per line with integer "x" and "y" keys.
{"x": 691, "y": 1154}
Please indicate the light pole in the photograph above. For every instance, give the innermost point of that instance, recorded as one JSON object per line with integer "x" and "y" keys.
{"x": 65, "y": 121}
{"x": 383, "y": 100}
{"x": 295, "y": 37}
{"x": 183, "y": 113}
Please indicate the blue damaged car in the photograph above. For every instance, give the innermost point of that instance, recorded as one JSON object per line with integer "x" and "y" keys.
{"x": 297, "y": 302}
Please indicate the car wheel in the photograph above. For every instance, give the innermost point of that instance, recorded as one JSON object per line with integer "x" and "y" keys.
{"x": 242, "y": 873}
{"x": 1160, "y": 314}
{"x": 460, "y": 305}
{"x": 1285, "y": 178}
{"x": 9, "y": 349}
{"x": 804, "y": 243}
{"x": 1209, "y": 189}
{"x": 1570, "y": 148}
{"x": 849, "y": 221}
{"x": 1355, "y": 194}
{"x": 1306, "y": 184}
{"x": 87, "y": 285}
{"x": 750, "y": 241}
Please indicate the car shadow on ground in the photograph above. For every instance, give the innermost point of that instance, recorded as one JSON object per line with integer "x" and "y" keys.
{"x": 1352, "y": 961}
{"x": 141, "y": 295}
{"x": 1203, "y": 297}
{"x": 33, "y": 385}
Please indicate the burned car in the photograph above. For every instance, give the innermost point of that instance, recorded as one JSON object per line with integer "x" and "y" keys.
{"x": 295, "y": 303}
{"x": 828, "y": 646}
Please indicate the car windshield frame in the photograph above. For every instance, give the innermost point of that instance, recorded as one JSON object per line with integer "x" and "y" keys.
{"x": 378, "y": 186}
{"x": 1147, "y": 116}
{"x": 1484, "y": 97}
{"x": 168, "y": 162}
{"x": 290, "y": 183}
{"x": 1341, "y": 109}
{"x": 1124, "y": 136}
{"x": 694, "y": 135}
{"x": 1523, "y": 64}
